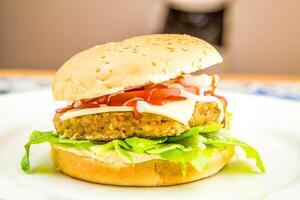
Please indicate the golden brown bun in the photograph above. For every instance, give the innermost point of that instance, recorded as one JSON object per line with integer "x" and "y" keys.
{"x": 150, "y": 173}
{"x": 137, "y": 61}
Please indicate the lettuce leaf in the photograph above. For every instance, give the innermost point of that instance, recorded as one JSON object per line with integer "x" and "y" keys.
{"x": 38, "y": 137}
{"x": 194, "y": 146}
{"x": 210, "y": 128}
{"x": 169, "y": 151}
{"x": 178, "y": 155}
{"x": 160, "y": 148}
{"x": 224, "y": 140}
{"x": 122, "y": 148}
{"x": 141, "y": 145}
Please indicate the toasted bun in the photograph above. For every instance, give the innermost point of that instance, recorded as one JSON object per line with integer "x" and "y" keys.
{"x": 150, "y": 173}
{"x": 113, "y": 67}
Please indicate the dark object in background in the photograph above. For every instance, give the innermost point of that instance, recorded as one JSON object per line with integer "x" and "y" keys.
{"x": 208, "y": 26}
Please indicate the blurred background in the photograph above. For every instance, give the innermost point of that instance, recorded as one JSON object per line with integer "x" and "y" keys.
{"x": 254, "y": 36}
{"x": 259, "y": 39}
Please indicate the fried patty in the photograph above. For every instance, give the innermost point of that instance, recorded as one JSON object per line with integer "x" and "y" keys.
{"x": 120, "y": 125}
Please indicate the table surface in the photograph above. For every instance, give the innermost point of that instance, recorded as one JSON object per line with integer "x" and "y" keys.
{"x": 279, "y": 86}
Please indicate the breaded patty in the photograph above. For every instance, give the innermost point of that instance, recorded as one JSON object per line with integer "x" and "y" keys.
{"x": 121, "y": 125}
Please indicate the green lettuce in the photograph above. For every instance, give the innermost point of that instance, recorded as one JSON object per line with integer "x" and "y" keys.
{"x": 38, "y": 137}
{"x": 183, "y": 157}
{"x": 119, "y": 146}
{"x": 210, "y": 128}
{"x": 194, "y": 146}
{"x": 174, "y": 152}
{"x": 141, "y": 145}
{"x": 223, "y": 140}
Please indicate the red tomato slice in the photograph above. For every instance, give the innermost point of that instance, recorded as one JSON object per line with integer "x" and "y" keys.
{"x": 120, "y": 99}
{"x": 156, "y": 86}
{"x": 87, "y": 101}
{"x": 164, "y": 93}
{"x": 99, "y": 100}
{"x": 63, "y": 110}
{"x": 150, "y": 88}
{"x": 159, "y": 102}
{"x": 102, "y": 100}
{"x": 176, "y": 98}
{"x": 156, "y": 94}
{"x": 192, "y": 89}
{"x": 135, "y": 89}
{"x": 177, "y": 79}
{"x": 88, "y": 105}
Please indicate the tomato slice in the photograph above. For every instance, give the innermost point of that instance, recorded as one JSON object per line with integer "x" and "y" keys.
{"x": 63, "y": 110}
{"x": 192, "y": 89}
{"x": 102, "y": 100}
{"x": 88, "y": 105}
{"x": 177, "y": 79}
{"x": 156, "y": 94}
{"x": 150, "y": 88}
{"x": 87, "y": 101}
{"x": 156, "y": 86}
{"x": 159, "y": 102}
{"x": 176, "y": 98}
{"x": 135, "y": 89}
{"x": 164, "y": 93}
{"x": 120, "y": 99}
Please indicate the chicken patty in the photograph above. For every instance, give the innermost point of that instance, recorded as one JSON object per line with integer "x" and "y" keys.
{"x": 120, "y": 125}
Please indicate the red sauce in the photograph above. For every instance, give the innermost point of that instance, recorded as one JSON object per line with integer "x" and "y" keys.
{"x": 154, "y": 94}
{"x": 213, "y": 84}
{"x": 136, "y": 113}
{"x": 63, "y": 110}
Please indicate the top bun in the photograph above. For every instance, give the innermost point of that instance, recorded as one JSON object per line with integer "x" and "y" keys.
{"x": 113, "y": 67}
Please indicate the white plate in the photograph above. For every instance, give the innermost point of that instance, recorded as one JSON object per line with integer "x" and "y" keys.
{"x": 271, "y": 125}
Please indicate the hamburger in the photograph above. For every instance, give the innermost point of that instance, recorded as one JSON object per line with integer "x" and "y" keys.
{"x": 135, "y": 115}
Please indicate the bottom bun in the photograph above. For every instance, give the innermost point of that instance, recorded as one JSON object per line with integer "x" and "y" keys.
{"x": 149, "y": 173}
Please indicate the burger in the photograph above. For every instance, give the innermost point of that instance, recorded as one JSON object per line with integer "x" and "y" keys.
{"x": 135, "y": 115}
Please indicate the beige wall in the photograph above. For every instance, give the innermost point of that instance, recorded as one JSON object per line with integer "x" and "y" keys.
{"x": 263, "y": 36}
{"x": 44, "y": 33}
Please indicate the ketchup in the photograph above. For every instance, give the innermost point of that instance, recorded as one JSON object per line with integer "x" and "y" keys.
{"x": 154, "y": 94}
{"x": 213, "y": 84}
